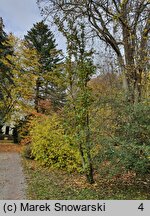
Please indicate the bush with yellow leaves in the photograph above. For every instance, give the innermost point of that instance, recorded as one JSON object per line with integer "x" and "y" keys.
{"x": 50, "y": 146}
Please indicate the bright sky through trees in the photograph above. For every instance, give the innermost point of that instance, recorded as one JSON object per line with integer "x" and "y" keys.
{"x": 19, "y": 17}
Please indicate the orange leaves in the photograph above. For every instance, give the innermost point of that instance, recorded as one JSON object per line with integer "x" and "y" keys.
{"x": 10, "y": 148}
{"x": 45, "y": 106}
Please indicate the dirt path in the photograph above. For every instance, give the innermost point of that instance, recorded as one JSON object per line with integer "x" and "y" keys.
{"x": 12, "y": 180}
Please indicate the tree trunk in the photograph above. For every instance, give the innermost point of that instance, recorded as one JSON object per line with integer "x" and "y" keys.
{"x": 7, "y": 130}
{"x": 1, "y": 131}
{"x": 37, "y": 95}
{"x": 130, "y": 69}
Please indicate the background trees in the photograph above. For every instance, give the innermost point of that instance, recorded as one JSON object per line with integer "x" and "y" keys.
{"x": 123, "y": 25}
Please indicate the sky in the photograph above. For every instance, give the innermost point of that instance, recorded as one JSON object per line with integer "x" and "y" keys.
{"x": 19, "y": 17}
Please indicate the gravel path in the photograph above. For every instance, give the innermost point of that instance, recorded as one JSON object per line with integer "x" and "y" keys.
{"x": 12, "y": 180}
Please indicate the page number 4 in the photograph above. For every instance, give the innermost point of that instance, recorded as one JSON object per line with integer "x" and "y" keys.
{"x": 141, "y": 207}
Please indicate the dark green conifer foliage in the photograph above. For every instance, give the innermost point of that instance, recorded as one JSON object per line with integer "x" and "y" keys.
{"x": 5, "y": 49}
{"x": 42, "y": 39}
{"x": 6, "y": 76}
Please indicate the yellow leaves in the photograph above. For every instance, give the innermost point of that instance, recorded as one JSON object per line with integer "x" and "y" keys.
{"x": 124, "y": 2}
{"x": 28, "y": 59}
{"x": 49, "y": 144}
{"x": 13, "y": 41}
{"x": 24, "y": 65}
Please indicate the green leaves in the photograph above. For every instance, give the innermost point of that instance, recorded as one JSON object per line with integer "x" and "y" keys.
{"x": 130, "y": 144}
{"x": 6, "y": 75}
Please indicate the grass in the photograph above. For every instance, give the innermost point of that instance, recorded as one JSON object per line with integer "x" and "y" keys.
{"x": 46, "y": 184}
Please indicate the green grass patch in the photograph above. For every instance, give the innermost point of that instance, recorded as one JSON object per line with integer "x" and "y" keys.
{"x": 47, "y": 184}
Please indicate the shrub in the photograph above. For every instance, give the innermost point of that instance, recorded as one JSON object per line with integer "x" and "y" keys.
{"x": 50, "y": 146}
{"x": 130, "y": 146}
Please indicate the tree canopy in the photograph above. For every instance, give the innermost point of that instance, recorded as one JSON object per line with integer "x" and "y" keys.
{"x": 123, "y": 25}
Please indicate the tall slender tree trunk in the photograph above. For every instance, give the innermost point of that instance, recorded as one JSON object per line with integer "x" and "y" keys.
{"x": 37, "y": 94}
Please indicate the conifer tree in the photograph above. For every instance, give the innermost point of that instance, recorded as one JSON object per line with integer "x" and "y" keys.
{"x": 42, "y": 40}
{"x": 6, "y": 76}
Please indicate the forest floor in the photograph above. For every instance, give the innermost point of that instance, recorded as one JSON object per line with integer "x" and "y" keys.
{"x": 12, "y": 179}
{"x": 44, "y": 183}
{"x": 41, "y": 183}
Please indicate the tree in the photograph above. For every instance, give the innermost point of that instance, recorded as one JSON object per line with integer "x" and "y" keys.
{"x": 26, "y": 62}
{"x": 79, "y": 69}
{"x": 123, "y": 25}
{"x": 22, "y": 65}
{"x": 6, "y": 76}
{"x": 42, "y": 40}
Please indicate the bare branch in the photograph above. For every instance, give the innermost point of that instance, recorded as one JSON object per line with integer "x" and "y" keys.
{"x": 140, "y": 8}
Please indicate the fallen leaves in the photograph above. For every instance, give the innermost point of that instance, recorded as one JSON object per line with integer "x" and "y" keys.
{"x": 7, "y": 147}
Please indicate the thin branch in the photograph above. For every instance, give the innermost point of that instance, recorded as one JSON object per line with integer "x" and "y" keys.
{"x": 140, "y": 8}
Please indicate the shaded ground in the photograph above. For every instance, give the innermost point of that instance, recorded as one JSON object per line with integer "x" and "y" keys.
{"x": 44, "y": 183}
{"x": 12, "y": 181}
